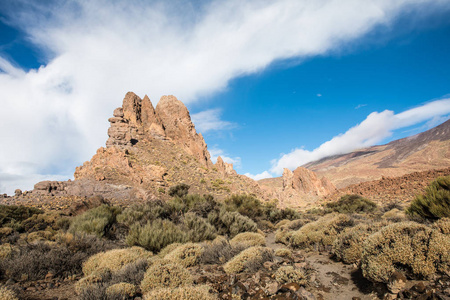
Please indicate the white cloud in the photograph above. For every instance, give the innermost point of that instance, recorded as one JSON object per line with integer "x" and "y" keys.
{"x": 259, "y": 176}
{"x": 54, "y": 117}
{"x": 209, "y": 120}
{"x": 360, "y": 105}
{"x": 375, "y": 128}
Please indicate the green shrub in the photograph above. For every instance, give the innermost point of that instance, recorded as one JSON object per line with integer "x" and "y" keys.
{"x": 286, "y": 274}
{"x": 179, "y": 190}
{"x": 352, "y": 204}
{"x": 114, "y": 260}
{"x": 348, "y": 246}
{"x": 434, "y": 203}
{"x": 169, "y": 248}
{"x": 199, "y": 229}
{"x": 231, "y": 223}
{"x": 394, "y": 215}
{"x": 408, "y": 247}
{"x": 249, "y": 239}
{"x": 6, "y": 294}
{"x": 144, "y": 213}
{"x": 14, "y": 215}
{"x": 244, "y": 204}
{"x": 155, "y": 235}
{"x": 165, "y": 275}
{"x": 187, "y": 255}
{"x": 199, "y": 292}
{"x": 94, "y": 221}
{"x": 320, "y": 234}
{"x": 250, "y": 260}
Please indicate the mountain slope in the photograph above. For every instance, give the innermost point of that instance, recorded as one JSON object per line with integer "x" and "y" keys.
{"x": 421, "y": 152}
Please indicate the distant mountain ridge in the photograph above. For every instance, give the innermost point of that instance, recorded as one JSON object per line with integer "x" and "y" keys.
{"x": 424, "y": 151}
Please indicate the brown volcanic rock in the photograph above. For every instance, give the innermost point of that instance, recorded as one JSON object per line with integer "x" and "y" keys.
{"x": 305, "y": 181}
{"x": 421, "y": 152}
{"x": 224, "y": 168}
{"x": 388, "y": 189}
{"x": 179, "y": 127}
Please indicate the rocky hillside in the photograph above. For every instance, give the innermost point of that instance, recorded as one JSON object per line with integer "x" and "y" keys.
{"x": 421, "y": 152}
{"x": 148, "y": 151}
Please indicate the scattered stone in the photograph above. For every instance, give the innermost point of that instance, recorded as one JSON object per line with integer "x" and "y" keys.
{"x": 397, "y": 282}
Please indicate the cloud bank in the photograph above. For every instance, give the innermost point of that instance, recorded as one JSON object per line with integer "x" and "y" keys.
{"x": 54, "y": 117}
{"x": 374, "y": 129}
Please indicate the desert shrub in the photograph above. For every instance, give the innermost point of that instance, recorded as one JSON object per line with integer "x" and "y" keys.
{"x": 37, "y": 259}
{"x": 199, "y": 229}
{"x": 91, "y": 282}
{"x": 244, "y": 204}
{"x": 179, "y": 190}
{"x": 155, "y": 235}
{"x": 219, "y": 251}
{"x": 283, "y": 252}
{"x": 348, "y": 246}
{"x": 249, "y": 239}
{"x": 286, "y": 274}
{"x": 231, "y": 223}
{"x": 167, "y": 275}
{"x": 250, "y": 259}
{"x": 285, "y": 229}
{"x": 442, "y": 225}
{"x": 169, "y": 248}
{"x": 352, "y": 204}
{"x": 283, "y": 235}
{"x": 186, "y": 255}
{"x": 394, "y": 215}
{"x": 282, "y": 223}
{"x": 434, "y": 203}
{"x": 12, "y": 214}
{"x": 321, "y": 233}
{"x": 7, "y": 294}
{"x": 44, "y": 221}
{"x": 265, "y": 225}
{"x": 42, "y": 235}
{"x": 132, "y": 273}
{"x": 143, "y": 213}
{"x": 94, "y": 221}
{"x": 199, "y": 292}
{"x": 94, "y": 291}
{"x": 114, "y": 260}
{"x": 409, "y": 247}
{"x": 272, "y": 213}
{"x": 121, "y": 290}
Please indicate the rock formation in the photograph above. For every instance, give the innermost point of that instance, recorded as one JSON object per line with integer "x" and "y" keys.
{"x": 305, "y": 181}
{"x": 224, "y": 168}
{"x": 137, "y": 119}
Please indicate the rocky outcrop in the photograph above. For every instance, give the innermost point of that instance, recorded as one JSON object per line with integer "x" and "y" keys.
{"x": 224, "y": 168}
{"x": 305, "y": 181}
{"x": 137, "y": 120}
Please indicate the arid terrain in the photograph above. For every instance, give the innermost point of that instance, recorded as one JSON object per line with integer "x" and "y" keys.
{"x": 150, "y": 216}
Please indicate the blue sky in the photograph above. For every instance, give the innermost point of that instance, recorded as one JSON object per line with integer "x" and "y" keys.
{"x": 269, "y": 84}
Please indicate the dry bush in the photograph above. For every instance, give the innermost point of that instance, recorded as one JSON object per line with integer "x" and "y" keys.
{"x": 155, "y": 235}
{"x": 90, "y": 280}
{"x": 321, "y": 233}
{"x": 169, "y": 248}
{"x": 250, "y": 259}
{"x": 249, "y": 239}
{"x": 199, "y": 292}
{"x": 41, "y": 235}
{"x": 121, "y": 290}
{"x": 45, "y": 221}
{"x": 219, "y": 251}
{"x": 285, "y": 229}
{"x": 6, "y": 294}
{"x": 37, "y": 259}
{"x": 187, "y": 255}
{"x": 131, "y": 273}
{"x": 284, "y": 252}
{"x": 348, "y": 246}
{"x": 6, "y": 250}
{"x": 394, "y": 215}
{"x": 95, "y": 291}
{"x": 12, "y": 214}
{"x": 165, "y": 275}
{"x": 114, "y": 260}
{"x": 443, "y": 225}
{"x": 409, "y": 247}
{"x": 282, "y": 223}
{"x": 287, "y": 274}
